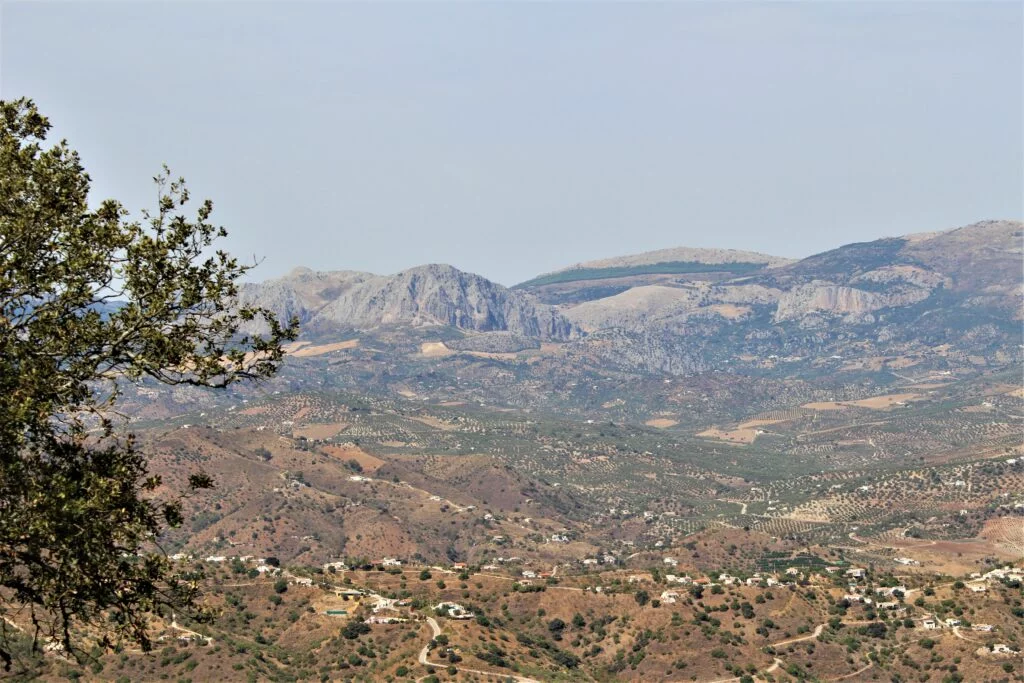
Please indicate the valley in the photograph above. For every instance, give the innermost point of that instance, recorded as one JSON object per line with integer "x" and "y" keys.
{"x": 682, "y": 466}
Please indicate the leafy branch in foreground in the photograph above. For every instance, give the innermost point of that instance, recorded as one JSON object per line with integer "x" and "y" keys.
{"x": 89, "y": 300}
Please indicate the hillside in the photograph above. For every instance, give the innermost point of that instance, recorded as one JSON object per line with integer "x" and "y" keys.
{"x": 577, "y": 550}
{"x": 430, "y": 295}
{"x": 893, "y": 291}
{"x": 760, "y": 434}
{"x": 678, "y": 260}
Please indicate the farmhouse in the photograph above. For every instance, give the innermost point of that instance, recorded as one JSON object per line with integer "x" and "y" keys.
{"x": 454, "y": 610}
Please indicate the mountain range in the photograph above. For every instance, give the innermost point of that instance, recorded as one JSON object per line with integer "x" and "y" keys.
{"x": 650, "y": 310}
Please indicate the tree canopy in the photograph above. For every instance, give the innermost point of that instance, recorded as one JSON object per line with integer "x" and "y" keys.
{"x": 91, "y": 300}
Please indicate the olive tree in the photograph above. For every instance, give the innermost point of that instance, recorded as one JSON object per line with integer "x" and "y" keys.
{"x": 91, "y": 301}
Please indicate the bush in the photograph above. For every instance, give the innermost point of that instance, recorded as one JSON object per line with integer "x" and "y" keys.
{"x": 354, "y": 629}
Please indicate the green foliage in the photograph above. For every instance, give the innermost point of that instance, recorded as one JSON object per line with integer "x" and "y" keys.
{"x": 353, "y": 629}
{"x": 90, "y": 300}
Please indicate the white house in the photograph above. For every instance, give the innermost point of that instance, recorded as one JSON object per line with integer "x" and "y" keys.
{"x": 455, "y": 610}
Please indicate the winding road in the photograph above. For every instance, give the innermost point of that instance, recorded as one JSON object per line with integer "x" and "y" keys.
{"x": 777, "y": 662}
{"x": 435, "y": 631}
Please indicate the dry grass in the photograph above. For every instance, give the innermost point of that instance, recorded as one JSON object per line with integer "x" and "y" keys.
{"x": 435, "y": 350}
{"x": 305, "y": 350}
{"x": 728, "y": 311}
{"x": 661, "y": 423}
{"x": 883, "y": 402}
{"x": 873, "y": 403}
{"x": 735, "y": 436}
{"x": 320, "y": 431}
{"x": 750, "y": 424}
{"x": 368, "y": 462}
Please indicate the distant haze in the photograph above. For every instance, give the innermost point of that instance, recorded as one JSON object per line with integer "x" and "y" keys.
{"x": 511, "y": 139}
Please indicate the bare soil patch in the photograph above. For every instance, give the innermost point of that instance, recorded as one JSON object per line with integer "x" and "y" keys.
{"x": 873, "y": 403}
{"x": 661, "y": 423}
{"x": 368, "y": 462}
{"x": 433, "y": 422}
{"x": 729, "y": 311}
{"x": 435, "y": 350}
{"x": 750, "y": 424}
{"x": 882, "y": 402}
{"x": 737, "y": 436}
{"x": 305, "y": 350}
{"x": 320, "y": 431}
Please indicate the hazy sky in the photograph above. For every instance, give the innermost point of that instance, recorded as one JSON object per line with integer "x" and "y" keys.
{"x": 514, "y": 138}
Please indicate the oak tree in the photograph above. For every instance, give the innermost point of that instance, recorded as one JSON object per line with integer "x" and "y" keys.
{"x": 90, "y": 302}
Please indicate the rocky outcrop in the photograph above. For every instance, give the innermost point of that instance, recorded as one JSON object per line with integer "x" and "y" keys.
{"x": 823, "y": 297}
{"x": 426, "y": 295}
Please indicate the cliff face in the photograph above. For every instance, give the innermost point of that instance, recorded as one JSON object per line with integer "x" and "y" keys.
{"x": 823, "y": 297}
{"x": 838, "y": 300}
{"x": 894, "y": 292}
{"x": 426, "y": 295}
